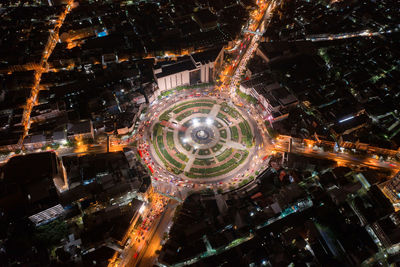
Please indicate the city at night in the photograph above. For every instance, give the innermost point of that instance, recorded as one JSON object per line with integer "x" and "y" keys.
{"x": 205, "y": 133}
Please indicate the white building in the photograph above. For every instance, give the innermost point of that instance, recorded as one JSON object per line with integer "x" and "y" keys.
{"x": 188, "y": 70}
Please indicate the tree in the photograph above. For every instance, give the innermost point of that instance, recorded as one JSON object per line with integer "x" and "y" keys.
{"x": 51, "y": 233}
{"x": 55, "y": 146}
{"x": 242, "y": 183}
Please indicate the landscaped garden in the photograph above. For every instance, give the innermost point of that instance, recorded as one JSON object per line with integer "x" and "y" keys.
{"x": 201, "y": 138}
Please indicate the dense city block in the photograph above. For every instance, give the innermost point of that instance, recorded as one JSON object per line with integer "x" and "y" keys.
{"x": 199, "y": 133}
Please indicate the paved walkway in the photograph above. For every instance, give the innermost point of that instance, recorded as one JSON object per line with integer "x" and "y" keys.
{"x": 245, "y": 166}
{"x": 236, "y": 145}
{"x": 214, "y": 111}
{"x": 192, "y": 158}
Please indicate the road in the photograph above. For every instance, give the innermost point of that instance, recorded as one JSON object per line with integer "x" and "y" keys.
{"x": 50, "y": 45}
{"x": 149, "y": 255}
{"x": 143, "y": 253}
{"x": 342, "y": 158}
{"x": 139, "y": 234}
{"x": 347, "y": 35}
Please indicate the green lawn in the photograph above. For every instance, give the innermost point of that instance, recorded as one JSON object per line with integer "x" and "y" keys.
{"x": 184, "y": 115}
{"x": 234, "y": 133}
{"x": 214, "y": 169}
{"x": 183, "y": 157}
{"x": 229, "y": 110}
{"x": 165, "y": 116}
{"x": 222, "y": 172}
{"x": 203, "y": 152}
{"x": 247, "y": 136}
{"x": 194, "y": 101}
{"x": 221, "y": 116}
{"x": 192, "y": 105}
{"x": 224, "y": 155}
{"x": 223, "y": 133}
{"x": 170, "y": 140}
{"x": 157, "y": 130}
{"x": 204, "y": 162}
{"x": 187, "y": 147}
{"x": 247, "y": 97}
{"x": 167, "y": 156}
{"x": 168, "y": 166}
{"x": 216, "y": 147}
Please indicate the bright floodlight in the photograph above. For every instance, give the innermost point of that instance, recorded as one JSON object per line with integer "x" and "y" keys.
{"x": 209, "y": 121}
{"x": 184, "y": 140}
{"x": 195, "y": 122}
{"x": 142, "y": 208}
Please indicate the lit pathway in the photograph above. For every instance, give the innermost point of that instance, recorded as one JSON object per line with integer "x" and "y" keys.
{"x": 50, "y": 45}
{"x": 214, "y": 111}
{"x": 235, "y": 145}
{"x": 192, "y": 158}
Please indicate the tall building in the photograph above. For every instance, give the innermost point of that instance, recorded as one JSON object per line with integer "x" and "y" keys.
{"x": 188, "y": 70}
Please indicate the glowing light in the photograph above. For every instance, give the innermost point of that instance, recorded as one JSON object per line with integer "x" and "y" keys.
{"x": 102, "y": 33}
{"x": 142, "y": 208}
{"x": 209, "y": 121}
{"x": 196, "y": 122}
{"x": 346, "y": 119}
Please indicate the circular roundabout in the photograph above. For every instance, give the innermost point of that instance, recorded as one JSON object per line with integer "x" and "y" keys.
{"x": 202, "y": 140}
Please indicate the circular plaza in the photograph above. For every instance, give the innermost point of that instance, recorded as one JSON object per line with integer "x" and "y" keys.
{"x": 202, "y": 139}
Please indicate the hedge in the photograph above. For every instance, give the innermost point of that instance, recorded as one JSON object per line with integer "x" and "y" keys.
{"x": 184, "y": 115}
{"x": 216, "y": 147}
{"x": 170, "y": 140}
{"x": 234, "y": 133}
{"x": 223, "y": 133}
{"x": 224, "y": 155}
{"x": 178, "y": 110}
{"x": 166, "y": 155}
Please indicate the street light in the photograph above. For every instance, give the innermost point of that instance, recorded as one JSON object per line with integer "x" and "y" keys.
{"x": 209, "y": 121}
{"x": 142, "y": 208}
{"x": 195, "y": 122}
